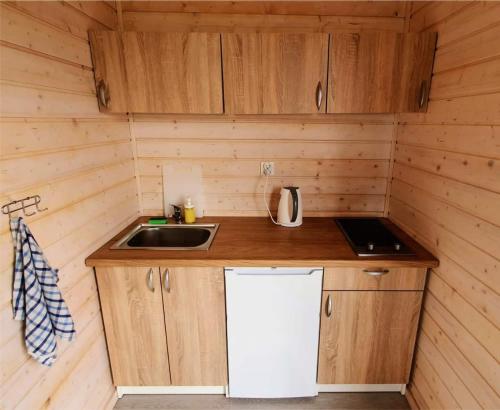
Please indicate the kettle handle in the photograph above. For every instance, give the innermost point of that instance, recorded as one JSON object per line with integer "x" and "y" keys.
{"x": 295, "y": 199}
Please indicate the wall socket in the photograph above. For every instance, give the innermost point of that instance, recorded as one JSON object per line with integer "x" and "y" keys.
{"x": 267, "y": 168}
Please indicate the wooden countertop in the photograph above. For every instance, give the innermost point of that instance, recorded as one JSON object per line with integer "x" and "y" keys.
{"x": 251, "y": 241}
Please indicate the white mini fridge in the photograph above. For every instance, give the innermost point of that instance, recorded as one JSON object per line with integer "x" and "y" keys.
{"x": 273, "y": 319}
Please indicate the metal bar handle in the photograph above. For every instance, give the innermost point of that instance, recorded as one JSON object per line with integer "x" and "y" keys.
{"x": 423, "y": 92}
{"x": 376, "y": 271}
{"x": 166, "y": 280}
{"x": 329, "y": 306}
{"x": 103, "y": 94}
{"x": 319, "y": 95}
{"x": 149, "y": 280}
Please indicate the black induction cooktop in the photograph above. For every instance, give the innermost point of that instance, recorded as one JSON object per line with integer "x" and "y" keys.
{"x": 371, "y": 237}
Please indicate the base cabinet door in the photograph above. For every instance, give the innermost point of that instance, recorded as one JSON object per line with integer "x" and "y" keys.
{"x": 195, "y": 319}
{"x": 367, "y": 337}
{"x": 131, "y": 302}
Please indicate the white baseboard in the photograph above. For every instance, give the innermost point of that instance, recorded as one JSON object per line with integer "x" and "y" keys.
{"x": 353, "y": 388}
{"x": 322, "y": 388}
{"x": 121, "y": 390}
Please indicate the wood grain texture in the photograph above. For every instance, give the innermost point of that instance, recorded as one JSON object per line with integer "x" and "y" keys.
{"x": 195, "y": 319}
{"x": 135, "y": 326}
{"x": 57, "y": 144}
{"x": 273, "y": 73}
{"x": 363, "y": 72}
{"x": 305, "y": 152}
{"x": 446, "y": 194}
{"x": 247, "y": 241}
{"x": 109, "y": 67}
{"x": 321, "y": 8}
{"x": 416, "y": 59}
{"x": 369, "y": 336}
{"x": 173, "y": 72}
{"x": 358, "y": 279}
{"x": 236, "y": 23}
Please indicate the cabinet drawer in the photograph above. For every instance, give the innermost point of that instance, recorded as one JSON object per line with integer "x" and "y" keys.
{"x": 378, "y": 278}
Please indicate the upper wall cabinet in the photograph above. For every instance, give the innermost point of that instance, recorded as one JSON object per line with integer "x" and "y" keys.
{"x": 275, "y": 73}
{"x": 173, "y": 72}
{"x": 109, "y": 71}
{"x": 363, "y": 72}
{"x": 417, "y": 58}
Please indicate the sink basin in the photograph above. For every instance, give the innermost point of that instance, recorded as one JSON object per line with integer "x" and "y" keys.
{"x": 165, "y": 237}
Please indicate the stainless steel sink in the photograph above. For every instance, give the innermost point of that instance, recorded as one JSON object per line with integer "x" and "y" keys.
{"x": 164, "y": 237}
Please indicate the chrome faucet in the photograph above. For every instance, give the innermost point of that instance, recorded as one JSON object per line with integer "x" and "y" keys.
{"x": 177, "y": 213}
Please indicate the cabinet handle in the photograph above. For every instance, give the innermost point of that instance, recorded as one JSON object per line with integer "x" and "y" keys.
{"x": 166, "y": 280}
{"x": 103, "y": 94}
{"x": 150, "y": 282}
{"x": 376, "y": 271}
{"x": 328, "y": 306}
{"x": 319, "y": 95}
{"x": 423, "y": 92}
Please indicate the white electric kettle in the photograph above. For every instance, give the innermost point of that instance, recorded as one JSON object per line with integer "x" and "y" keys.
{"x": 290, "y": 207}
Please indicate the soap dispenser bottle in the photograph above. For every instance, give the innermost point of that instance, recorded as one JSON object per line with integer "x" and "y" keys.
{"x": 189, "y": 213}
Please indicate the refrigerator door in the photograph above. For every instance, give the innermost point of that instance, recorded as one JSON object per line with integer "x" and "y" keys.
{"x": 273, "y": 329}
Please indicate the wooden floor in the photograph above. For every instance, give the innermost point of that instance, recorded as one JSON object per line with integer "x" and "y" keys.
{"x": 325, "y": 401}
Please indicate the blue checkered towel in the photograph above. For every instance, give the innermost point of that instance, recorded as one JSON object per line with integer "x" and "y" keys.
{"x": 36, "y": 297}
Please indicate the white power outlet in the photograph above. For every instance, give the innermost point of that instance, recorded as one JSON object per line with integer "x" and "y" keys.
{"x": 267, "y": 168}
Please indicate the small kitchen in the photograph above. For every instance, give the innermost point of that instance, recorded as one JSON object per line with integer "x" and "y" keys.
{"x": 248, "y": 204}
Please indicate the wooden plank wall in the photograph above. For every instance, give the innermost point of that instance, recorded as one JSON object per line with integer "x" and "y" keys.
{"x": 446, "y": 192}
{"x": 341, "y": 163}
{"x": 55, "y": 143}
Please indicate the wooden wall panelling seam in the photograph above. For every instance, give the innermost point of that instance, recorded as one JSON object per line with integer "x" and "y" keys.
{"x": 241, "y": 171}
{"x": 476, "y": 17}
{"x": 359, "y": 78}
{"x": 137, "y": 176}
{"x": 30, "y": 33}
{"x": 475, "y": 79}
{"x": 481, "y": 46}
{"x": 191, "y": 81}
{"x": 43, "y": 108}
{"x": 61, "y": 15}
{"x": 98, "y": 10}
{"x": 204, "y": 22}
{"x": 435, "y": 13}
{"x": 274, "y": 73}
{"x": 446, "y": 169}
{"x": 354, "y": 8}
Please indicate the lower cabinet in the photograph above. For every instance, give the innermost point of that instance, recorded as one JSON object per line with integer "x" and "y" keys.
{"x": 164, "y": 325}
{"x": 368, "y": 336}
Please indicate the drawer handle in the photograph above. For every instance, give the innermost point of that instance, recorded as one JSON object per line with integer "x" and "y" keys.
{"x": 166, "y": 280}
{"x": 329, "y": 306}
{"x": 150, "y": 282}
{"x": 376, "y": 271}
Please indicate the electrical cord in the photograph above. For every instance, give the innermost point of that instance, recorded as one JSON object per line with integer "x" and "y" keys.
{"x": 265, "y": 202}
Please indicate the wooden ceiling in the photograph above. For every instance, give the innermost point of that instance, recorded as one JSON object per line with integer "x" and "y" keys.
{"x": 308, "y": 8}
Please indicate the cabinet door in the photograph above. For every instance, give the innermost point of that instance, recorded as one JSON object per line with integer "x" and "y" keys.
{"x": 363, "y": 72}
{"x": 195, "y": 318}
{"x": 109, "y": 71}
{"x": 417, "y": 58}
{"x": 173, "y": 72}
{"x": 368, "y": 337}
{"x": 274, "y": 73}
{"x": 132, "y": 309}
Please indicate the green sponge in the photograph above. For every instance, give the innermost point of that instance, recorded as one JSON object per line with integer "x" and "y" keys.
{"x": 158, "y": 221}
